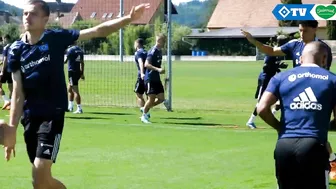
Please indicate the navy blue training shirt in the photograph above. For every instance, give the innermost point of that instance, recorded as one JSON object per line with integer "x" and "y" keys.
{"x": 5, "y": 50}
{"x": 308, "y": 96}
{"x": 140, "y": 53}
{"x": 75, "y": 57}
{"x": 42, "y": 69}
{"x": 295, "y": 47}
{"x": 154, "y": 57}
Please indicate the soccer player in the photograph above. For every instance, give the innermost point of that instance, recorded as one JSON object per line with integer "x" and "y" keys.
{"x": 294, "y": 48}
{"x": 140, "y": 59}
{"x": 308, "y": 97}
{"x": 272, "y": 65}
{"x": 154, "y": 87}
{"x": 39, "y": 87}
{"x": 75, "y": 59}
{"x": 5, "y": 75}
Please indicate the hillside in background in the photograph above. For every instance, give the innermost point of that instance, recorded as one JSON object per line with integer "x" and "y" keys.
{"x": 195, "y": 14}
{"x": 12, "y": 9}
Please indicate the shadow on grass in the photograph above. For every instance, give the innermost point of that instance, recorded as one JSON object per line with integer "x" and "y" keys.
{"x": 109, "y": 113}
{"x": 182, "y": 118}
{"x": 203, "y": 124}
{"x": 86, "y": 118}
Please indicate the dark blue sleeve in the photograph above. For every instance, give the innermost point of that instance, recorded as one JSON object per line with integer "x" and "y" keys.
{"x": 288, "y": 47}
{"x": 274, "y": 85}
{"x": 142, "y": 55}
{"x": 66, "y": 37}
{"x": 13, "y": 58}
{"x": 5, "y": 51}
{"x": 150, "y": 56}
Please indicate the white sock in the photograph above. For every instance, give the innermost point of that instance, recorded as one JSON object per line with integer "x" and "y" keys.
{"x": 252, "y": 118}
{"x": 142, "y": 108}
{"x": 332, "y": 157}
{"x": 79, "y": 107}
{"x": 5, "y": 98}
{"x": 71, "y": 104}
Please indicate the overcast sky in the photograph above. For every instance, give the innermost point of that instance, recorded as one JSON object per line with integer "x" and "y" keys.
{"x": 19, "y": 3}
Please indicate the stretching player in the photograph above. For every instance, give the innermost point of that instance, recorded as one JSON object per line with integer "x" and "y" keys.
{"x": 294, "y": 49}
{"x": 272, "y": 65}
{"x": 308, "y": 96}
{"x": 5, "y": 75}
{"x": 75, "y": 59}
{"x": 154, "y": 87}
{"x": 140, "y": 59}
{"x": 39, "y": 86}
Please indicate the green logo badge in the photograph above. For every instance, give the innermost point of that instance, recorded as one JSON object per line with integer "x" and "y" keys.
{"x": 325, "y": 12}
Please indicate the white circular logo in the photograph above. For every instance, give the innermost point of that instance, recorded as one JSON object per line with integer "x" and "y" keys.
{"x": 292, "y": 78}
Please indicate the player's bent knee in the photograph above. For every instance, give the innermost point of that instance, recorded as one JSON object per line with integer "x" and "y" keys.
{"x": 42, "y": 173}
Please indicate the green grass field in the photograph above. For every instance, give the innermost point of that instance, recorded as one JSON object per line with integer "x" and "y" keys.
{"x": 203, "y": 144}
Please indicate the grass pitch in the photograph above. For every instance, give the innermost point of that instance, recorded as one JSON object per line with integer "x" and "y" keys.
{"x": 203, "y": 144}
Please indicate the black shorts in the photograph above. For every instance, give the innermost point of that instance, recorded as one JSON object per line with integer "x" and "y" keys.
{"x": 154, "y": 87}
{"x": 6, "y": 78}
{"x": 301, "y": 163}
{"x": 139, "y": 86}
{"x": 262, "y": 85}
{"x": 43, "y": 135}
{"x": 74, "y": 78}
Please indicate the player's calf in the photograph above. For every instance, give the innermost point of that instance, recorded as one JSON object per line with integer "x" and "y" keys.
{"x": 42, "y": 178}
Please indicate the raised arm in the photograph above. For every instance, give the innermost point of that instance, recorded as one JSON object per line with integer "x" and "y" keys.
{"x": 108, "y": 27}
{"x": 268, "y": 50}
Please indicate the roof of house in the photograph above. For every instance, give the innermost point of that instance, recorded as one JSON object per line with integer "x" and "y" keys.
{"x": 251, "y": 13}
{"x": 258, "y": 32}
{"x": 66, "y": 20}
{"x": 110, "y": 9}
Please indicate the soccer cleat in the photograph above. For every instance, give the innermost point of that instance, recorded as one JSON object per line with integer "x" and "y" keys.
{"x": 251, "y": 125}
{"x": 142, "y": 110}
{"x": 332, "y": 173}
{"x": 70, "y": 109}
{"x": 145, "y": 119}
{"x": 6, "y": 106}
{"x": 79, "y": 111}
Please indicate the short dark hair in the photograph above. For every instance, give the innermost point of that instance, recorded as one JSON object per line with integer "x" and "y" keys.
{"x": 140, "y": 41}
{"x": 308, "y": 23}
{"x": 44, "y": 6}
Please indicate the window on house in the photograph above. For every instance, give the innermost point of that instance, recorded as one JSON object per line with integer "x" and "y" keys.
{"x": 110, "y": 15}
{"x": 104, "y": 15}
{"x": 93, "y": 15}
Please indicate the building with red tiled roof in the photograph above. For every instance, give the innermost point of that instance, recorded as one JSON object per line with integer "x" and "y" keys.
{"x": 109, "y": 9}
{"x": 64, "y": 19}
{"x": 253, "y": 14}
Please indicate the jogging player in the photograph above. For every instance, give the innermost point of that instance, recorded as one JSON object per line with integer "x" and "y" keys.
{"x": 272, "y": 65}
{"x": 39, "y": 87}
{"x": 5, "y": 75}
{"x": 75, "y": 59}
{"x": 140, "y": 59}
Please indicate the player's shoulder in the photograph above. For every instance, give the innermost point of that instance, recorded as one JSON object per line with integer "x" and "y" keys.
{"x": 17, "y": 44}
{"x": 295, "y": 41}
{"x": 153, "y": 50}
{"x": 6, "y": 47}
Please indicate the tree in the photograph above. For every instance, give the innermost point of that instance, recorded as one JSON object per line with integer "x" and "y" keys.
{"x": 331, "y": 27}
{"x": 12, "y": 30}
{"x": 54, "y": 25}
{"x": 289, "y": 22}
{"x": 90, "y": 46}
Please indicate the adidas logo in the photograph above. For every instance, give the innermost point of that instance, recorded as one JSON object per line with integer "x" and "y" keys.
{"x": 306, "y": 101}
{"x": 47, "y": 152}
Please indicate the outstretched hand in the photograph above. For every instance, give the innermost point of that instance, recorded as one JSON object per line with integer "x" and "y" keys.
{"x": 137, "y": 12}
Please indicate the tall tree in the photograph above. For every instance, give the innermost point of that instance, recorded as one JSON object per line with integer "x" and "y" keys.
{"x": 289, "y": 22}
{"x": 331, "y": 27}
